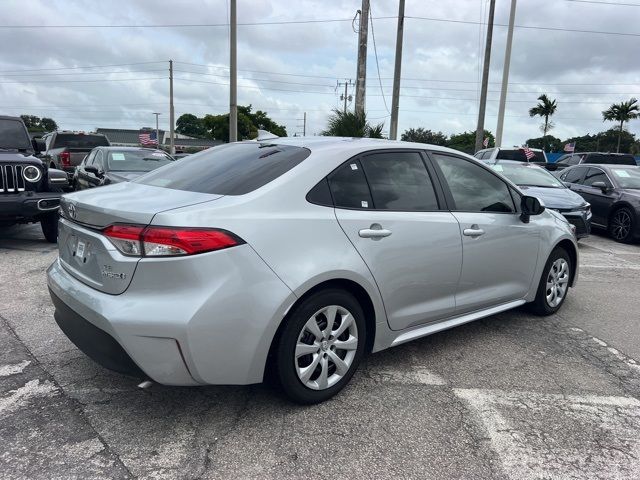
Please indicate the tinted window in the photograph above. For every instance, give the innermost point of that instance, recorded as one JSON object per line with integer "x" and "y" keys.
{"x": 399, "y": 181}
{"x": 473, "y": 188}
{"x": 142, "y": 160}
{"x": 525, "y": 174}
{"x": 487, "y": 154}
{"x": 230, "y": 169}
{"x": 75, "y": 140}
{"x": 596, "y": 175}
{"x": 519, "y": 156}
{"x": 98, "y": 161}
{"x": 88, "y": 160}
{"x": 628, "y": 177}
{"x": 13, "y": 135}
{"x": 573, "y": 160}
{"x": 574, "y": 175}
{"x": 349, "y": 186}
{"x": 610, "y": 159}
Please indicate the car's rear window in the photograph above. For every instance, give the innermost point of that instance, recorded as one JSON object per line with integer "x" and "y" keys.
{"x": 609, "y": 159}
{"x": 519, "y": 156}
{"x": 231, "y": 169}
{"x": 78, "y": 140}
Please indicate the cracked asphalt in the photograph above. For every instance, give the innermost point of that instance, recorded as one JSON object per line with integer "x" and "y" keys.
{"x": 509, "y": 397}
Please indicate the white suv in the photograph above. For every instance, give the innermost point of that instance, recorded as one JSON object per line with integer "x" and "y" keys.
{"x": 514, "y": 153}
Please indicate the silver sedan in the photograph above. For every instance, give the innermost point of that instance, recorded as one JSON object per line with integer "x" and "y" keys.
{"x": 297, "y": 257}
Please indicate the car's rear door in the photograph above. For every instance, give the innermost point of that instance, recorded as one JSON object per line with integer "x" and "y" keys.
{"x": 393, "y": 213}
{"x": 500, "y": 251}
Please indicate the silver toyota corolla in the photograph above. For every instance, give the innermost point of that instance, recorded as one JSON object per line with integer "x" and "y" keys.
{"x": 297, "y": 257}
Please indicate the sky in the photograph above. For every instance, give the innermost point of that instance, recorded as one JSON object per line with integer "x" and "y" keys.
{"x": 90, "y": 64}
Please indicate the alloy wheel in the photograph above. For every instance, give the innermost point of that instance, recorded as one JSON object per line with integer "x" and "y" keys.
{"x": 326, "y": 347}
{"x": 557, "y": 282}
{"x": 621, "y": 225}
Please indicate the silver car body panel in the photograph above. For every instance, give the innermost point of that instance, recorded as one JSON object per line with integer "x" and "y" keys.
{"x": 211, "y": 318}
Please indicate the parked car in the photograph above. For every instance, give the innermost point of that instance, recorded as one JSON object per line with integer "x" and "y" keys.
{"x": 180, "y": 155}
{"x": 614, "y": 194}
{"x": 599, "y": 158}
{"x": 65, "y": 150}
{"x": 515, "y": 154}
{"x": 29, "y": 192}
{"x": 297, "y": 256}
{"x": 538, "y": 182}
{"x": 106, "y": 165}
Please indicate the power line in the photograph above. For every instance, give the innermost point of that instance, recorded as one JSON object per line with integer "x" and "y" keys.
{"x": 606, "y": 3}
{"x": 375, "y": 51}
{"x": 88, "y": 81}
{"x": 258, "y": 79}
{"x": 83, "y": 67}
{"x": 78, "y": 73}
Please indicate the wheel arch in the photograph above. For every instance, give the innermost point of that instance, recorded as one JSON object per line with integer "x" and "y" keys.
{"x": 570, "y": 248}
{"x": 617, "y": 206}
{"x": 355, "y": 289}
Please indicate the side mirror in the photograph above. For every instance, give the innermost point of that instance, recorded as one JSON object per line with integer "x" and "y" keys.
{"x": 94, "y": 170}
{"x": 601, "y": 185}
{"x": 530, "y": 206}
{"x": 57, "y": 179}
{"x": 38, "y": 145}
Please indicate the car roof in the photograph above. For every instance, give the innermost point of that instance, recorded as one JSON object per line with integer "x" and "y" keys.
{"x": 606, "y": 166}
{"x": 494, "y": 161}
{"x": 9, "y": 117}
{"x": 112, "y": 147}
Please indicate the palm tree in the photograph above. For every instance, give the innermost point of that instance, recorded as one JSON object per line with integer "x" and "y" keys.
{"x": 351, "y": 124}
{"x": 545, "y": 108}
{"x": 622, "y": 112}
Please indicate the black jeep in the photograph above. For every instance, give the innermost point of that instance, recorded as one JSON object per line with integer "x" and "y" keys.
{"x": 29, "y": 191}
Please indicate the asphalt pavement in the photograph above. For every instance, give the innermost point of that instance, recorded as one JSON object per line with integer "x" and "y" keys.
{"x": 509, "y": 397}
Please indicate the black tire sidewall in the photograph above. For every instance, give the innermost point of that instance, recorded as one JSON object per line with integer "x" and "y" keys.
{"x": 540, "y": 305}
{"x": 286, "y": 372}
{"x": 49, "y": 224}
{"x": 630, "y": 235}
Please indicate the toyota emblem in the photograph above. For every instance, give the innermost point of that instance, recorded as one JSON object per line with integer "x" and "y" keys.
{"x": 72, "y": 210}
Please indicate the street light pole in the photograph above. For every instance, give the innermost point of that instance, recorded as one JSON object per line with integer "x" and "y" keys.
{"x": 395, "y": 99}
{"x": 172, "y": 149}
{"x": 361, "y": 79}
{"x": 505, "y": 75}
{"x": 157, "y": 130}
{"x": 485, "y": 79}
{"x": 233, "y": 80}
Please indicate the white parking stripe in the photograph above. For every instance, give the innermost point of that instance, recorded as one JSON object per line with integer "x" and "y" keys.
{"x": 6, "y": 370}
{"x": 18, "y": 397}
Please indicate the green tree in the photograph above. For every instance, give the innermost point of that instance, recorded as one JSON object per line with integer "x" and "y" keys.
{"x": 217, "y": 127}
{"x": 189, "y": 124}
{"x": 351, "y": 124}
{"x": 549, "y": 143}
{"x": 466, "y": 141}
{"x": 37, "y": 124}
{"x": 545, "y": 108}
{"x": 422, "y": 135}
{"x": 262, "y": 121}
{"x": 621, "y": 112}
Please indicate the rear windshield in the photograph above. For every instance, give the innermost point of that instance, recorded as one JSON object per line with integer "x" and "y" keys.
{"x": 609, "y": 159}
{"x": 627, "y": 177}
{"x": 77, "y": 140}
{"x": 519, "y": 156}
{"x": 231, "y": 169}
{"x": 13, "y": 135}
{"x": 136, "y": 160}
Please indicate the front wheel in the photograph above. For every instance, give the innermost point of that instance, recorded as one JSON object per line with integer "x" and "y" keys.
{"x": 49, "y": 224}
{"x": 554, "y": 284}
{"x": 621, "y": 225}
{"x": 321, "y": 346}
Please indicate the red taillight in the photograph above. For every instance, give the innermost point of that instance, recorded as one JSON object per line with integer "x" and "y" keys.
{"x": 65, "y": 159}
{"x": 168, "y": 241}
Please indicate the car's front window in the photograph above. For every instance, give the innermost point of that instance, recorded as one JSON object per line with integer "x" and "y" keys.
{"x": 13, "y": 135}
{"x": 527, "y": 175}
{"x": 627, "y": 177}
{"x": 136, "y": 160}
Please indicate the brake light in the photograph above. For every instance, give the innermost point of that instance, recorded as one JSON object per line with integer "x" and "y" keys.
{"x": 137, "y": 240}
{"x": 65, "y": 159}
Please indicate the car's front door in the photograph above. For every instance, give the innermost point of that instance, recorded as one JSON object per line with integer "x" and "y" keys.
{"x": 601, "y": 201}
{"x": 386, "y": 203}
{"x": 499, "y": 250}
{"x": 82, "y": 174}
{"x": 94, "y": 180}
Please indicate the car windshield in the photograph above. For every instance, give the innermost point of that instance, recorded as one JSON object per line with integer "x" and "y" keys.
{"x": 136, "y": 160}
{"x": 627, "y": 177}
{"x": 519, "y": 156}
{"x": 80, "y": 140}
{"x": 526, "y": 175}
{"x": 13, "y": 135}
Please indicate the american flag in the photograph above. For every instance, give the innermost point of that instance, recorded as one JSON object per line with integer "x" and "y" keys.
{"x": 485, "y": 143}
{"x": 570, "y": 147}
{"x": 528, "y": 153}
{"x": 146, "y": 138}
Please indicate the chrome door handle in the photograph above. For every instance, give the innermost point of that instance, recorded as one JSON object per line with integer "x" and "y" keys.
{"x": 375, "y": 231}
{"x": 474, "y": 231}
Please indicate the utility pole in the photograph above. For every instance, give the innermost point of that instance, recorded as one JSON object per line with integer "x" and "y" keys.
{"x": 485, "y": 79}
{"x": 233, "y": 81}
{"x": 345, "y": 96}
{"x": 395, "y": 99}
{"x": 157, "y": 129}
{"x": 361, "y": 78}
{"x": 505, "y": 75}
{"x": 304, "y": 124}
{"x": 172, "y": 149}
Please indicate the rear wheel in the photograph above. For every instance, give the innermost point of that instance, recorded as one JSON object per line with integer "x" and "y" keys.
{"x": 321, "y": 346}
{"x": 554, "y": 284}
{"x": 49, "y": 224}
{"x": 621, "y": 225}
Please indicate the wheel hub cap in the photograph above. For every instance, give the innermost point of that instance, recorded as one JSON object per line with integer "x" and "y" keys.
{"x": 557, "y": 282}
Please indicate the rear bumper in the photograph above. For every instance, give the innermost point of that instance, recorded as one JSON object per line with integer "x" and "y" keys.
{"x": 28, "y": 204}
{"x": 206, "y": 319}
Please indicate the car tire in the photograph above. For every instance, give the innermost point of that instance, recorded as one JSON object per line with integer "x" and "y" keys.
{"x": 622, "y": 224}
{"x": 49, "y": 224}
{"x": 312, "y": 365}
{"x": 554, "y": 284}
